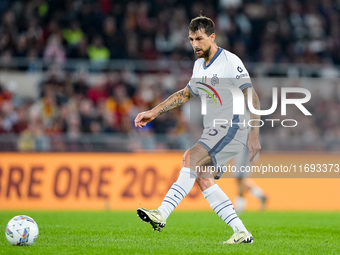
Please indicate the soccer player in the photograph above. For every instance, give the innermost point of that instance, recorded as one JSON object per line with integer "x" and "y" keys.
{"x": 218, "y": 143}
{"x": 244, "y": 184}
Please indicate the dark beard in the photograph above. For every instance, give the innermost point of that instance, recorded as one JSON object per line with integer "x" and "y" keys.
{"x": 205, "y": 54}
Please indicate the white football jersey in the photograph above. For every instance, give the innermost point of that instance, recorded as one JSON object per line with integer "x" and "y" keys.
{"x": 210, "y": 82}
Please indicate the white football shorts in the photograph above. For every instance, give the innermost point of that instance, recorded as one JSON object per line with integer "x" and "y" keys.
{"x": 223, "y": 144}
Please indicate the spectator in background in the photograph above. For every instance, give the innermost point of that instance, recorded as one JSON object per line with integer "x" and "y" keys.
{"x": 114, "y": 39}
{"x": 2, "y": 130}
{"x": 80, "y": 50}
{"x": 55, "y": 135}
{"x": 34, "y": 33}
{"x": 97, "y": 52}
{"x": 164, "y": 41}
{"x": 110, "y": 124}
{"x": 98, "y": 139}
{"x": 132, "y": 47}
{"x": 81, "y": 86}
{"x": 179, "y": 30}
{"x": 33, "y": 138}
{"x": 21, "y": 123}
{"x": 64, "y": 113}
{"x": 178, "y": 131}
{"x": 5, "y": 94}
{"x": 73, "y": 133}
{"x": 73, "y": 35}
{"x": 21, "y": 47}
{"x": 51, "y": 28}
{"x": 55, "y": 52}
{"x": 46, "y": 108}
{"x": 107, "y": 120}
{"x": 10, "y": 117}
{"x": 9, "y": 26}
{"x": 112, "y": 81}
{"x": 120, "y": 105}
{"x": 87, "y": 114}
{"x": 32, "y": 56}
{"x": 148, "y": 51}
{"x": 97, "y": 92}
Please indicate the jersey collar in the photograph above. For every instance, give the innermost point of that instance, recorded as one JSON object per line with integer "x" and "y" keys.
{"x": 213, "y": 59}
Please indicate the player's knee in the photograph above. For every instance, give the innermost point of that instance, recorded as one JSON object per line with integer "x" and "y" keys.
{"x": 189, "y": 160}
{"x": 186, "y": 159}
{"x": 205, "y": 183}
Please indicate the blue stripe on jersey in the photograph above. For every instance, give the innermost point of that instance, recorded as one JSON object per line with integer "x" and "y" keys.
{"x": 246, "y": 85}
{"x": 226, "y": 139}
{"x": 192, "y": 92}
{"x": 213, "y": 59}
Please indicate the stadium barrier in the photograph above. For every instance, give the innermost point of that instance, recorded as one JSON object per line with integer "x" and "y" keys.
{"x": 126, "y": 181}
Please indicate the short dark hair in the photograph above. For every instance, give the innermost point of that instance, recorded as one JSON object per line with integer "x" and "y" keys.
{"x": 202, "y": 22}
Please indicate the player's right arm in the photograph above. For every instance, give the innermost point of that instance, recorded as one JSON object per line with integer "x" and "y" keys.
{"x": 243, "y": 81}
{"x": 253, "y": 138}
{"x": 172, "y": 102}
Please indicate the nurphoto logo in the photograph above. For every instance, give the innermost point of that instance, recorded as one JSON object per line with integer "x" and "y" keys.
{"x": 238, "y": 104}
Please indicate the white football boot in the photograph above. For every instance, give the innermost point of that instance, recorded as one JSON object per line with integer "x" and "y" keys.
{"x": 240, "y": 237}
{"x": 154, "y": 217}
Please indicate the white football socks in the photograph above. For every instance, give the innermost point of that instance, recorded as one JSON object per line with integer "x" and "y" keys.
{"x": 222, "y": 205}
{"x": 178, "y": 191}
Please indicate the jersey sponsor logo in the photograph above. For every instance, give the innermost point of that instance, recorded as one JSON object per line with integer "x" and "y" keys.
{"x": 239, "y": 69}
{"x": 242, "y": 75}
{"x": 214, "y": 80}
{"x": 211, "y": 95}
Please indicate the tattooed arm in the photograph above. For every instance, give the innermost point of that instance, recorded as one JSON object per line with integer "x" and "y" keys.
{"x": 172, "y": 102}
{"x": 253, "y": 139}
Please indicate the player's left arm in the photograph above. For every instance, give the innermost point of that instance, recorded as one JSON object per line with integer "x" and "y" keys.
{"x": 253, "y": 139}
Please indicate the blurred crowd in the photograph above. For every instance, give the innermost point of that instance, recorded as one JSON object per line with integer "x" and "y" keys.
{"x": 269, "y": 31}
{"x": 319, "y": 131}
{"x": 77, "y": 111}
{"x": 71, "y": 106}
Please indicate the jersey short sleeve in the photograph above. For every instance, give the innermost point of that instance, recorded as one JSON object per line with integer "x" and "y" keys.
{"x": 239, "y": 74}
{"x": 193, "y": 90}
{"x": 192, "y": 87}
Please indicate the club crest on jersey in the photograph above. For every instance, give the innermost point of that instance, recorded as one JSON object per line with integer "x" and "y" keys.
{"x": 214, "y": 80}
{"x": 239, "y": 69}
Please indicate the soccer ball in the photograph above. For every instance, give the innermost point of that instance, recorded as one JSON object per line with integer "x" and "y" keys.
{"x": 22, "y": 230}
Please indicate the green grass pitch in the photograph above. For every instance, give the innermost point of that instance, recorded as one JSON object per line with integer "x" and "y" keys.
{"x": 185, "y": 233}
